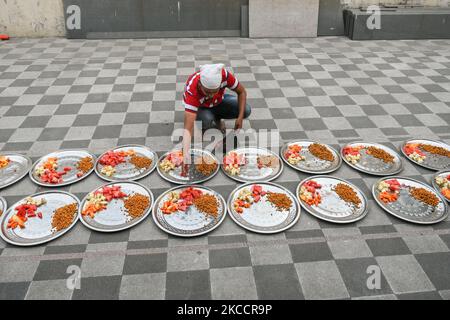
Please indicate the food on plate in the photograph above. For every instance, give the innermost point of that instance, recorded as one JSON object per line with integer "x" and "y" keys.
{"x": 352, "y": 154}
{"x": 63, "y": 217}
{"x": 444, "y": 184}
{"x": 25, "y": 211}
{"x": 108, "y": 171}
{"x": 141, "y": 162}
{"x": 84, "y": 166}
{"x": 413, "y": 151}
{"x": 320, "y": 151}
{"x": 47, "y": 171}
{"x": 267, "y": 161}
{"x": 233, "y": 161}
{"x": 167, "y": 165}
{"x": 425, "y": 196}
{"x": 309, "y": 193}
{"x": 380, "y": 154}
{"x": 182, "y": 200}
{"x": 99, "y": 199}
{"x": 446, "y": 193}
{"x": 348, "y": 194}
{"x": 389, "y": 190}
{"x": 391, "y": 185}
{"x": 136, "y": 205}
{"x": 49, "y": 164}
{"x": 114, "y": 158}
{"x": 171, "y": 161}
{"x": 293, "y": 155}
{"x": 207, "y": 204}
{"x": 280, "y": 200}
{"x": 388, "y": 197}
{"x": 435, "y": 150}
{"x": 247, "y": 197}
{"x": 111, "y": 159}
{"x": 4, "y": 161}
{"x": 206, "y": 166}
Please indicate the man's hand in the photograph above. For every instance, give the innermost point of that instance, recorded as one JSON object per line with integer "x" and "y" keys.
{"x": 184, "y": 170}
{"x": 238, "y": 124}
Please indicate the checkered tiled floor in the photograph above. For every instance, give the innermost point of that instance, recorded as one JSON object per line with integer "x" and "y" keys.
{"x": 57, "y": 94}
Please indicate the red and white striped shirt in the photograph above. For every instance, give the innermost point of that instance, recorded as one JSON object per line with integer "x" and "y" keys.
{"x": 193, "y": 98}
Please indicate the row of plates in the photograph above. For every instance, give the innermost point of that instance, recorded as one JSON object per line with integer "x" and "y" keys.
{"x": 21, "y": 165}
{"x": 261, "y": 217}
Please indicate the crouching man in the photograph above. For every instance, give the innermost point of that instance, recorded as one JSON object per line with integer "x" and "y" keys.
{"x": 205, "y": 100}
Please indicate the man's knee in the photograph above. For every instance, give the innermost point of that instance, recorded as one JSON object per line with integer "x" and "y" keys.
{"x": 206, "y": 119}
{"x": 247, "y": 112}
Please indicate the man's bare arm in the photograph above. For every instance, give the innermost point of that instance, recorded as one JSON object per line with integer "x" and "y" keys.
{"x": 242, "y": 101}
{"x": 189, "y": 120}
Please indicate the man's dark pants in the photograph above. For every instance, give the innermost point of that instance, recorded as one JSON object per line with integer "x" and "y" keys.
{"x": 227, "y": 109}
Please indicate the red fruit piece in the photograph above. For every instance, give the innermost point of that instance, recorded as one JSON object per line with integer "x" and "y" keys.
{"x": 257, "y": 189}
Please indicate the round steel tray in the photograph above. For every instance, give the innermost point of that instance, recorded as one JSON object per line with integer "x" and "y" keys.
{"x": 409, "y": 209}
{"x": 38, "y": 231}
{"x": 66, "y": 158}
{"x": 250, "y": 171}
{"x": 434, "y": 184}
{"x": 432, "y": 161}
{"x": 333, "y": 208}
{"x": 3, "y": 206}
{"x": 193, "y": 176}
{"x": 191, "y": 223}
{"x": 312, "y": 164}
{"x": 127, "y": 171}
{"x": 374, "y": 166}
{"x": 262, "y": 217}
{"x": 114, "y": 218}
{"x": 18, "y": 168}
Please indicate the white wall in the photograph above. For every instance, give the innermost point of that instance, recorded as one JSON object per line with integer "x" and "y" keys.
{"x": 32, "y": 18}
{"x": 283, "y": 18}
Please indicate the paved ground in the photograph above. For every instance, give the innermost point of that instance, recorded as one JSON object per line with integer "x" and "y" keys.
{"x": 57, "y": 94}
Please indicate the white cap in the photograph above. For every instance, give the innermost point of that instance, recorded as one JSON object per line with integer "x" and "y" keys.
{"x": 211, "y": 75}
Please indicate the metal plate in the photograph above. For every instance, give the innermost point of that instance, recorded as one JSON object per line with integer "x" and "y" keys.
{"x": 3, "y": 206}
{"x": 333, "y": 208}
{"x": 432, "y": 161}
{"x": 38, "y": 231}
{"x": 193, "y": 176}
{"x": 311, "y": 164}
{"x": 250, "y": 171}
{"x": 18, "y": 168}
{"x": 114, "y": 218}
{"x": 191, "y": 223}
{"x": 371, "y": 165}
{"x": 409, "y": 209}
{"x": 66, "y": 158}
{"x": 127, "y": 171}
{"x": 434, "y": 184}
{"x": 262, "y": 217}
